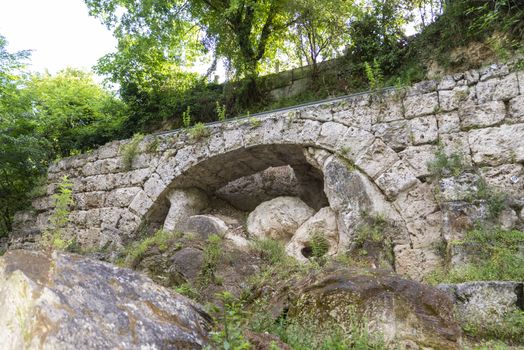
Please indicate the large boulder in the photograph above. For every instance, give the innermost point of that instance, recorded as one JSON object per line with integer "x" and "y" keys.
{"x": 323, "y": 223}
{"x": 184, "y": 203}
{"x": 63, "y": 301}
{"x": 404, "y": 312}
{"x": 278, "y": 218}
{"x": 204, "y": 226}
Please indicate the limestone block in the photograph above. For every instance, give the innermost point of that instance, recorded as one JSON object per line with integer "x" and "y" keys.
{"x": 358, "y": 117}
{"x": 448, "y": 122}
{"x": 132, "y": 178}
{"x": 128, "y": 223}
{"x": 426, "y": 232}
{"x": 417, "y": 158}
{"x": 233, "y": 139}
{"x": 394, "y": 134}
{"x": 472, "y": 76}
{"x": 43, "y": 203}
{"x": 278, "y": 218}
{"x": 396, "y": 179}
{"x": 145, "y": 160}
{"x": 89, "y": 200}
{"x": 141, "y": 204}
{"x": 317, "y": 157}
{"x": 354, "y": 142}
{"x": 459, "y": 188}
{"x": 424, "y": 130}
{"x": 498, "y": 145}
{"x": 154, "y": 186}
{"x": 416, "y": 203}
{"x": 516, "y": 109}
{"x": 121, "y": 197}
{"x": 78, "y": 218}
{"x": 110, "y": 216}
{"x": 389, "y": 108}
{"x": 492, "y": 71}
{"x": 167, "y": 169}
{"x": 331, "y": 133}
{"x": 324, "y": 222}
{"x": 507, "y": 219}
{"x": 184, "y": 203}
{"x": 415, "y": 263}
{"x": 520, "y": 77}
{"x": 42, "y": 221}
{"x": 418, "y": 105}
{"x": 485, "y": 90}
{"x": 456, "y": 143}
{"x": 486, "y": 114}
{"x": 451, "y": 99}
{"x": 447, "y": 83}
{"x": 376, "y": 159}
{"x": 507, "y": 88}
{"x": 308, "y": 132}
{"x": 96, "y": 183}
{"x": 321, "y": 112}
{"x": 93, "y": 217}
{"x": 422, "y": 87}
{"x": 507, "y": 178}
{"x": 104, "y": 166}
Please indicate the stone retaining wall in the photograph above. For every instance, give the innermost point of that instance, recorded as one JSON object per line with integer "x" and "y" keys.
{"x": 388, "y": 138}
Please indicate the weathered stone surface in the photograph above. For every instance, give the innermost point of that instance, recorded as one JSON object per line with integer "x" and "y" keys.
{"x": 377, "y": 158}
{"x": 498, "y": 145}
{"x": 447, "y": 83}
{"x": 417, "y": 159}
{"x": 141, "y": 203}
{"x": 484, "y": 303}
{"x": 507, "y": 88}
{"x": 451, "y": 100}
{"x": 395, "y": 134}
{"x": 459, "y": 188}
{"x": 396, "y": 179}
{"x": 516, "y": 109}
{"x": 416, "y": 263}
{"x": 63, "y": 301}
{"x": 485, "y": 90}
{"x": 424, "y": 130}
{"x": 203, "y": 226}
{"x": 187, "y": 262}
{"x": 456, "y": 143}
{"x": 448, "y": 122}
{"x": 417, "y": 202}
{"x": 184, "y": 203}
{"x": 278, "y": 218}
{"x": 401, "y": 310}
{"x": 487, "y": 114}
{"x": 418, "y": 105}
{"x": 507, "y": 178}
{"x": 121, "y": 197}
{"x": 323, "y": 223}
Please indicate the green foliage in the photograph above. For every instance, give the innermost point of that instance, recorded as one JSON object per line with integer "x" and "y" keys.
{"x": 230, "y": 320}
{"x": 221, "y": 112}
{"x": 186, "y": 117}
{"x": 495, "y": 200}
{"x": 53, "y": 237}
{"x": 212, "y": 254}
{"x": 374, "y": 75}
{"x": 498, "y": 256}
{"x": 270, "y": 250}
{"x": 198, "y": 131}
{"x": 255, "y": 122}
{"x": 187, "y": 290}
{"x": 446, "y": 165}
{"x": 130, "y": 151}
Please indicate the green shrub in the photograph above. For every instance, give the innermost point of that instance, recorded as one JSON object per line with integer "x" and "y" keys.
{"x": 186, "y": 117}
{"x": 495, "y": 200}
{"x": 130, "y": 150}
{"x": 255, "y": 122}
{"x": 53, "y": 237}
{"x": 221, "y": 111}
{"x": 198, "y": 131}
{"x": 319, "y": 244}
{"x": 374, "y": 75}
{"x": 270, "y": 250}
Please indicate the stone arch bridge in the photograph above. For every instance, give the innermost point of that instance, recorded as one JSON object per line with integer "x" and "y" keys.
{"x": 364, "y": 153}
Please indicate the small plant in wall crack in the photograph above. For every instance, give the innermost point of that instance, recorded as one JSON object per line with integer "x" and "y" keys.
{"x": 198, "y": 131}
{"x": 130, "y": 150}
{"x": 53, "y": 237}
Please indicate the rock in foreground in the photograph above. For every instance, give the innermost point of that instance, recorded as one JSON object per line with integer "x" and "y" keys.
{"x": 62, "y": 301}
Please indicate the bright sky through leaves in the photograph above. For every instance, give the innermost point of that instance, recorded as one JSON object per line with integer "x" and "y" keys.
{"x": 60, "y": 33}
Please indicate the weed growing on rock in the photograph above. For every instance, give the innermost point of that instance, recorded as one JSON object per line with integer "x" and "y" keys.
{"x": 152, "y": 146}
{"x": 130, "y": 150}
{"x": 374, "y": 75}
{"x": 53, "y": 237}
{"x": 270, "y": 250}
{"x": 319, "y": 245}
{"x": 498, "y": 256}
{"x": 255, "y": 122}
{"x": 446, "y": 165}
{"x": 160, "y": 239}
{"x": 511, "y": 329}
{"x": 186, "y": 117}
{"x": 212, "y": 254}
{"x": 199, "y": 131}
{"x": 496, "y": 201}
{"x": 221, "y": 111}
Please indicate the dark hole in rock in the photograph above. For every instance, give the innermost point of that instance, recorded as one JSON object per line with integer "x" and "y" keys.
{"x": 307, "y": 252}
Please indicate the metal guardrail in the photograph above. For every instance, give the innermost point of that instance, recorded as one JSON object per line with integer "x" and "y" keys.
{"x": 283, "y": 109}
